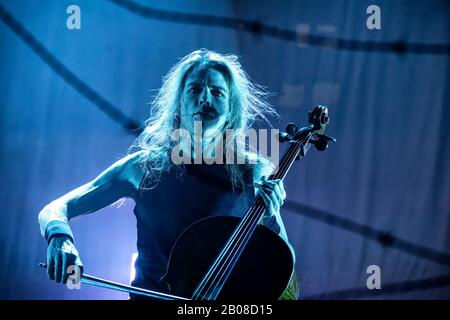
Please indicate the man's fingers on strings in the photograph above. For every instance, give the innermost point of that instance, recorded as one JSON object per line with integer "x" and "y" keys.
{"x": 275, "y": 197}
{"x": 268, "y": 202}
{"x": 279, "y": 188}
{"x": 280, "y": 184}
{"x": 275, "y": 184}
{"x": 273, "y": 190}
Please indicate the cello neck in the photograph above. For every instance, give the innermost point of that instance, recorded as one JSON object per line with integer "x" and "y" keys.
{"x": 214, "y": 280}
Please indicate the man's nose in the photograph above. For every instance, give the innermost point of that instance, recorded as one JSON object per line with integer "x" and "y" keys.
{"x": 205, "y": 98}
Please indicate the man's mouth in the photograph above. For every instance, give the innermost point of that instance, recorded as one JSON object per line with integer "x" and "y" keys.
{"x": 205, "y": 114}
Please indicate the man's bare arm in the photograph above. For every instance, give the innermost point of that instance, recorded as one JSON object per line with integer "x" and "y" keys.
{"x": 119, "y": 180}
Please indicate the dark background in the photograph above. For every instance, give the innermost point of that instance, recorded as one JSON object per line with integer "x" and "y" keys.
{"x": 378, "y": 197}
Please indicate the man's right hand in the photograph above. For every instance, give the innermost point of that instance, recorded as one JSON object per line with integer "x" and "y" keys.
{"x": 61, "y": 254}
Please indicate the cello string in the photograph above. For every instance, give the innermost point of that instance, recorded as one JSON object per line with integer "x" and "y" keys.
{"x": 289, "y": 155}
{"x": 226, "y": 251}
{"x": 247, "y": 235}
{"x": 254, "y": 216}
{"x": 223, "y": 252}
{"x": 280, "y": 173}
{"x": 236, "y": 232}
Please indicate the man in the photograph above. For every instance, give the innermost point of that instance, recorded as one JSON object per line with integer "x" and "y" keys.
{"x": 204, "y": 88}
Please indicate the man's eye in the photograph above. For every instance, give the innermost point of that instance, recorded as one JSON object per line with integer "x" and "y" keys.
{"x": 216, "y": 93}
{"x": 195, "y": 90}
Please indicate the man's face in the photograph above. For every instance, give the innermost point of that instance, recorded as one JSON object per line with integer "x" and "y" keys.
{"x": 205, "y": 98}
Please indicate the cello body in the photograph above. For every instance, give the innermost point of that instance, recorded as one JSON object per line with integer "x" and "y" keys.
{"x": 264, "y": 271}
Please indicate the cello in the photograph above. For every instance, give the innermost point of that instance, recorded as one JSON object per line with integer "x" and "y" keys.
{"x": 232, "y": 258}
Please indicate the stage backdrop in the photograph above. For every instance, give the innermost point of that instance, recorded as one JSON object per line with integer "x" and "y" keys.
{"x": 380, "y": 196}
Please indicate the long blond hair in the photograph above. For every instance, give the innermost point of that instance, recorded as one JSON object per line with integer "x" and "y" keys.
{"x": 248, "y": 102}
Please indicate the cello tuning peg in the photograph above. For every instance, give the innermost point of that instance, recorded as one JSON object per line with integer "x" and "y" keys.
{"x": 283, "y": 137}
{"x": 321, "y": 141}
{"x": 327, "y": 138}
{"x": 320, "y": 144}
{"x": 291, "y": 129}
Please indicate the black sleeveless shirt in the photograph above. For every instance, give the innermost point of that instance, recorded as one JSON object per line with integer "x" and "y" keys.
{"x": 183, "y": 195}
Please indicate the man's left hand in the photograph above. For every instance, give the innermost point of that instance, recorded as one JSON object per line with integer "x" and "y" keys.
{"x": 273, "y": 194}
